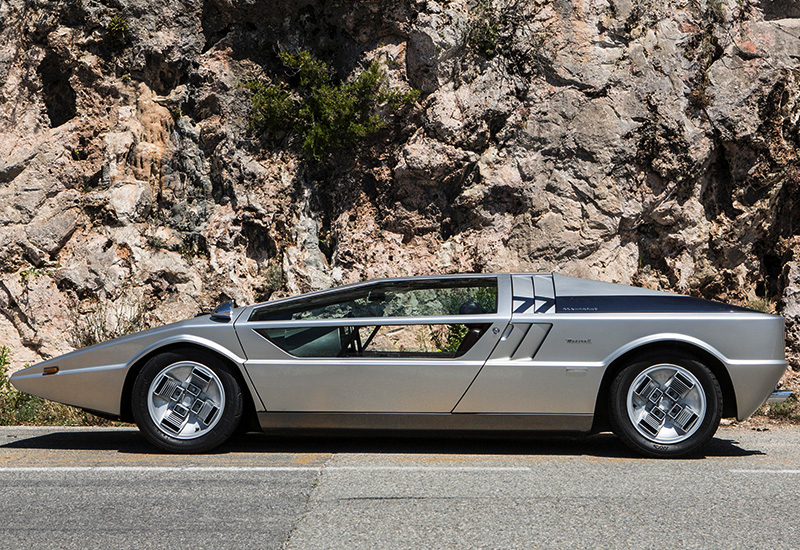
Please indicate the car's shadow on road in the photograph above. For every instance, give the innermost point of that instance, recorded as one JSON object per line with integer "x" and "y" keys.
{"x": 601, "y": 445}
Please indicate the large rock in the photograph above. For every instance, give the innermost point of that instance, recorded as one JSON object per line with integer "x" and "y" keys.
{"x": 52, "y": 233}
{"x": 652, "y": 143}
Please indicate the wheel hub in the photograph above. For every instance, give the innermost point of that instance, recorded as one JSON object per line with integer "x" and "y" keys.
{"x": 666, "y": 403}
{"x": 185, "y": 400}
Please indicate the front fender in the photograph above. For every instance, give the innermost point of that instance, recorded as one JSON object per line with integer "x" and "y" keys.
{"x": 93, "y": 378}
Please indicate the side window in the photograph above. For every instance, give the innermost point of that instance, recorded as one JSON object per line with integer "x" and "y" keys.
{"x": 420, "y": 340}
{"x": 376, "y": 341}
{"x": 473, "y": 296}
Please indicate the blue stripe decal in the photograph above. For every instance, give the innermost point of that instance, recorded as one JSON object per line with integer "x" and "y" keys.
{"x": 547, "y": 303}
{"x": 525, "y": 305}
{"x": 642, "y": 304}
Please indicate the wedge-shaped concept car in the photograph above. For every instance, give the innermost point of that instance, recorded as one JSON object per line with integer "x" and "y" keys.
{"x": 499, "y": 353}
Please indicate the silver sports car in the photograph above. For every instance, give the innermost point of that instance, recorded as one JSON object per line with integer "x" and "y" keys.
{"x": 498, "y": 353}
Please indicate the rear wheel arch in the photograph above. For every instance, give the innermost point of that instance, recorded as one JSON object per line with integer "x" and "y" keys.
{"x": 601, "y": 419}
{"x": 249, "y": 417}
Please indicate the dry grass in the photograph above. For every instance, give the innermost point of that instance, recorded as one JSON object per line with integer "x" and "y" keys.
{"x": 108, "y": 322}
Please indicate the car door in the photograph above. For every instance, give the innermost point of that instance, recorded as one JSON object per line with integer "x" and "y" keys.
{"x": 403, "y": 345}
{"x": 512, "y": 381}
{"x": 516, "y": 380}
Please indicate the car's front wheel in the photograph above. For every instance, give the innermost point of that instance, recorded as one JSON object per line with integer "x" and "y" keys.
{"x": 186, "y": 401}
{"x": 665, "y": 406}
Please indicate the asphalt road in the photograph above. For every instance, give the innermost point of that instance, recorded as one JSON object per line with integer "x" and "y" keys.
{"x": 106, "y": 488}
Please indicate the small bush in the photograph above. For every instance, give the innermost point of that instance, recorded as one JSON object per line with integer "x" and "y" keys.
{"x": 79, "y": 154}
{"x": 700, "y": 97}
{"x": 156, "y": 243}
{"x": 788, "y": 411}
{"x": 32, "y": 272}
{"x": 118, "y": 32}
{"x": 701, "y": 48}
{"x": 448, "y": 337}
{"x": 324, "y": 113}
{"x": 494, "y": 25}
{"x": 759, "y": 304}
{"x": 273, "y": 281}
{"x": 486, "y": 31}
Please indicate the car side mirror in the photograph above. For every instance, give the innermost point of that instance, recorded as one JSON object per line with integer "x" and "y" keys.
{"x": 223, "y": 312}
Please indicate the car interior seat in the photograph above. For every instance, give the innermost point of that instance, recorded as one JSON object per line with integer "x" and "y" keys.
{"x": 474, "y": 332}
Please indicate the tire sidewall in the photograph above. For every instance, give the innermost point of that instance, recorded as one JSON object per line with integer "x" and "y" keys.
{"x": 624, "y": 427}
{"x": 230, "y": 415}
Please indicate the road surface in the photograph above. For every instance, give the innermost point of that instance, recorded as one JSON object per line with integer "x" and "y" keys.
{"x": 107, "y": 488}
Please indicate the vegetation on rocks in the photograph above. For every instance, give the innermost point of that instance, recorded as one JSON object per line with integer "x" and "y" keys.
{"x": 325, "y": 113}
{"x": 494, "y": 28}
{"x": 118, "y": 31}
{"x": 485, "y": 34}
{"x": 788, "y": 411}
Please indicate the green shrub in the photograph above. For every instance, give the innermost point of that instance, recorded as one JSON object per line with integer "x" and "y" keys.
{"x": 326, "y": 114}
{"x": 118, "y": 31}
{"x": 788, "y": 411}
{"x": 79, "y": 154}
{"x": 105, "y": 323}
{"x": 156, "y": 243}
{"x": 485, "y": 34}
{"x": 699, "y": 96}
{"x": 493, "y": 27}
{"x": 273, "y": 281}
{"x": 448, "y": 337}
{"x": 32, "y": 272}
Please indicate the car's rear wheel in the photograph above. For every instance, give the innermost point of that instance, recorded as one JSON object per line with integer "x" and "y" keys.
{"x": 665, "y": 405}
{"x": 186, "y": 402}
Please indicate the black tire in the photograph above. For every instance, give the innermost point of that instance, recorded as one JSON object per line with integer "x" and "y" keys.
{"x": 703, "y": 400}
{"x": 211, "y": 412}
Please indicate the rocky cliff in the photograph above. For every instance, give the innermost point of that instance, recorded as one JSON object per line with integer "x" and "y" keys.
{"x": 647, "y": 143}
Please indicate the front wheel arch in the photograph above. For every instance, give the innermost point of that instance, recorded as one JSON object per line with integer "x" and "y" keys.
{"x": 186, "y": 403}
{"x": 249, "y": 417}
{"x": 667, "y": 347}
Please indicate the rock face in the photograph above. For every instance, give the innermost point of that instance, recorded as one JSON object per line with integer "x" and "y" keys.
{"x": 648, "y": 143}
